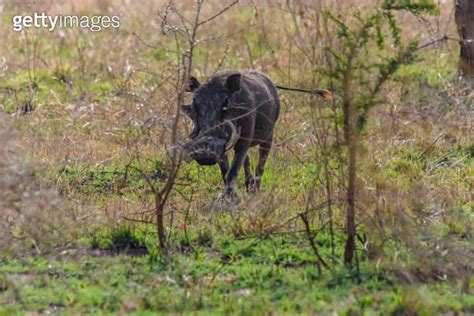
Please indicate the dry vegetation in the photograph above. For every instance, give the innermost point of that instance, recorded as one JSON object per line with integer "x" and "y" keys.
{"x": 32, "y": 213}
{"x": 87, "y": 135}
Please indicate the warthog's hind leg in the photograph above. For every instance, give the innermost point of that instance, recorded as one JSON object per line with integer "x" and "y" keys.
{"x": 249, "y": 180}
{"x": 263, "y": 152}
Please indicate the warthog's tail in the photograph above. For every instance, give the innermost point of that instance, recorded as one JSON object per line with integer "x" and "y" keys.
{"x": 326, "y": 94}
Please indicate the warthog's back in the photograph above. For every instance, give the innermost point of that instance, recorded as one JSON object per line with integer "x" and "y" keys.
{"x": 259, "y": 99}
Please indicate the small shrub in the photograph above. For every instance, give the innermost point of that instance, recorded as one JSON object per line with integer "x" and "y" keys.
{"x": 124, "y": 238}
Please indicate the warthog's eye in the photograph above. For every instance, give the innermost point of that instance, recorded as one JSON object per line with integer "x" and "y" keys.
{"x": 225, "y": 105}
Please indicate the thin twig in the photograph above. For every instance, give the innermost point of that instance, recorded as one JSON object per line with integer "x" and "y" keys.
{"x": 218, "y": 13}
{"x": 304, "y": 217}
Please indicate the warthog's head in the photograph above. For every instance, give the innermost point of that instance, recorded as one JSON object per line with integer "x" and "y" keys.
{"x": 214, "y": 134}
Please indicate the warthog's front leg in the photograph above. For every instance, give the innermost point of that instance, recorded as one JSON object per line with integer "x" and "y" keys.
{"x": 248, "y": 175}
{"x": 224, "y": 166}
{"x": 231, "y": 177}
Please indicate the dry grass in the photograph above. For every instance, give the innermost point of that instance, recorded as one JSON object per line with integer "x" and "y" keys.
{"x": 33, "y": 214}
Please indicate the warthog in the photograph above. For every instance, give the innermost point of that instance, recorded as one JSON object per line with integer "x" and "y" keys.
{"x": 233, "y": 110}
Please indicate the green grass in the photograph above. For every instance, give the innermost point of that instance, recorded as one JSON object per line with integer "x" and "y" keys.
{"x": 111, "y": 178}
{"x": 224, "y": 276}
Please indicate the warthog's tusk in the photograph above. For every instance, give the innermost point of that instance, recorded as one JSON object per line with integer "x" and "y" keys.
{"x": 234, "y": 137}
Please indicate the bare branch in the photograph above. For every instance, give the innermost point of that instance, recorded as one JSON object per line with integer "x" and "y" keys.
{"x": 218, "y": 13}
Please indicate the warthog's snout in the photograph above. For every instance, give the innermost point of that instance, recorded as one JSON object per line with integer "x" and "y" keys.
{"x": 205, "y": 152}
{"x": 211, "y": 148}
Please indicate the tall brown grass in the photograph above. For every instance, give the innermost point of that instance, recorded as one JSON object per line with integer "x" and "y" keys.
{"x": 33, "y": 216}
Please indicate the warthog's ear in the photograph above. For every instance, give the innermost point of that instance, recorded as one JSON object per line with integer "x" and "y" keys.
{"x": 193, "y": 84}
{"x": 233, "y": 83}
{"x": 187, "y": 109}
